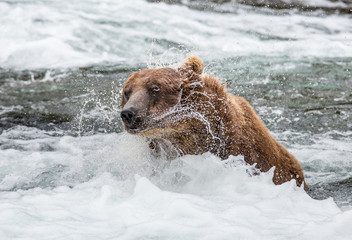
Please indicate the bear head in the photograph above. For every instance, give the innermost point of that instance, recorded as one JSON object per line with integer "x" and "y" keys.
{"x": 151, "y": 97}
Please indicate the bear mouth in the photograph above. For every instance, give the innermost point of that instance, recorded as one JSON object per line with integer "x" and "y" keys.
{"x": 139, "y": 126}
{"x": 159, "y": 120}
{"x": 134, "y": 130}
{"x": 140, "y": 129}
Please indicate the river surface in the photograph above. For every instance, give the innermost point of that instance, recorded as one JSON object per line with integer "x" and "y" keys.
{"x": 69, "y": 171}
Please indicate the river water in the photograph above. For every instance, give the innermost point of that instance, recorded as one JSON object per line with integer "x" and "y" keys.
{"x": 68, "y": 171}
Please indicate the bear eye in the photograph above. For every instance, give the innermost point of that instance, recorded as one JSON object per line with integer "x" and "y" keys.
{"x": 155, "y": 89}
{"x": 127, "y": 94}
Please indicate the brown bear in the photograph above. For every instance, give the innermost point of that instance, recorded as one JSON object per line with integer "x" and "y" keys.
{"x": 183, "y": 111}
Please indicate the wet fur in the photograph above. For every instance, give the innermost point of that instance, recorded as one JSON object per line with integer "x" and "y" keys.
{"x": 208, "y": 118}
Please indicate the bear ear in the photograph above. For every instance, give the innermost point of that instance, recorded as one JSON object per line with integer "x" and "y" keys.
{"x": 193, "y": 65}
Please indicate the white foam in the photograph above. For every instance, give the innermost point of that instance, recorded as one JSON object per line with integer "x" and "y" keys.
{"x": 324, "y": 3}
{"x": 68, "y": 34}
{"x": 131, "y": 195}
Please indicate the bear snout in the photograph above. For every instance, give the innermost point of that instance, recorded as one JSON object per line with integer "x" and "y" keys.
{"x": 129, "y": 116}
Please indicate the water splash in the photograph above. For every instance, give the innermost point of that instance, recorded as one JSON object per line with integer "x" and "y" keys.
{"x": 171, "y": 57}
{"x": 100, "y": 112}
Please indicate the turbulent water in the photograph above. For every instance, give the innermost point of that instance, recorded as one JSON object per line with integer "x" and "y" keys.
{"x": 68, "y": 171}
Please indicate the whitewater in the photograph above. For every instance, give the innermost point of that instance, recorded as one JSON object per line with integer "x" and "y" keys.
{"x": 69, "y": 171}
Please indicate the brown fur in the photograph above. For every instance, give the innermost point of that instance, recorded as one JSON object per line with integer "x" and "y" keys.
{"x": 194, "y": 113}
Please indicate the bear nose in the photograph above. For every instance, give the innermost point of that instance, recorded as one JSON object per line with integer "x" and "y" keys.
{"x": 129, "y": 116}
